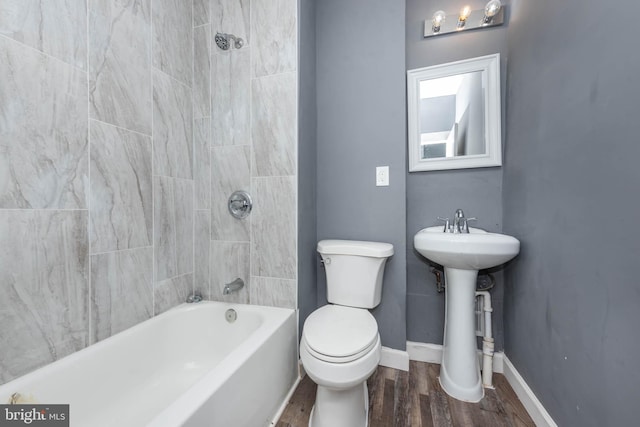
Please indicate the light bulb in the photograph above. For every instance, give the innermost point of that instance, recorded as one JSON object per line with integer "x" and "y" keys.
{"x": 438, "y": 19}
{"x": 462, "y": 17}
{"x": 491, "y": 9}
{"x": 464, "y": 13}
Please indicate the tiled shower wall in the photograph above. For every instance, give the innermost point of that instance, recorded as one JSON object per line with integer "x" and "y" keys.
{"x": 96, "y": 171}
{"x": 245, "y": 121}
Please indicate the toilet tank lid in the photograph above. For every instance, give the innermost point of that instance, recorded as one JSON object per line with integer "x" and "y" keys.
{"x": 355, "y": 247}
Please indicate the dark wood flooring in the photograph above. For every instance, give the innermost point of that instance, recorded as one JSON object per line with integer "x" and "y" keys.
{"x": 415, "y": 399}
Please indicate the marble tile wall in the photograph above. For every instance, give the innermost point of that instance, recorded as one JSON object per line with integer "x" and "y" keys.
{"x": 123, "y": 131}
{"x": 253, "y": 147}
{"x": 100, "y": 170}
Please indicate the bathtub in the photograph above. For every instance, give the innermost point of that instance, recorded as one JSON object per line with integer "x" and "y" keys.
{"x": 188, "y": 366}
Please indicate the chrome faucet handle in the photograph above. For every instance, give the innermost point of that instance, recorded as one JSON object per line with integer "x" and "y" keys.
{"x": 446, "y": 224}
{"x": 466, "y": 224}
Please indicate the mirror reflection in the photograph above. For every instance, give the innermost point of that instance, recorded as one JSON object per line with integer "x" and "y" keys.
{"x": 452, "y": 116}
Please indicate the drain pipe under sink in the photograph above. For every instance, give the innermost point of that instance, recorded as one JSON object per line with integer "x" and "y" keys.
{"x": 487, "y": 340}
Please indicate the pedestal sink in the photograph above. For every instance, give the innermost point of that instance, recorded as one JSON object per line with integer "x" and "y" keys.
{"x": 462, "y": 255}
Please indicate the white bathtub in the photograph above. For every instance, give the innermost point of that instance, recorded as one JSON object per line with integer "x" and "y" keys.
{"x": 187, "y": 366}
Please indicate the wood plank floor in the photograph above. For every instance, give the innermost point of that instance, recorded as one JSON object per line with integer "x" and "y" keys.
{"x": 415, "y": 399}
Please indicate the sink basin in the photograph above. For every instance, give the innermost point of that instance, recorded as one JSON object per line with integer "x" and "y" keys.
{"x": 474, "y": 251}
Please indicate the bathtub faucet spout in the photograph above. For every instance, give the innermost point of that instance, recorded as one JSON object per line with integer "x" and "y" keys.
{"x": 234, "y": 286}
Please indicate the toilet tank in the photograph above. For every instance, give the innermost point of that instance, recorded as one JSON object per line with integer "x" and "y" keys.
{"x": 354, "y": 271}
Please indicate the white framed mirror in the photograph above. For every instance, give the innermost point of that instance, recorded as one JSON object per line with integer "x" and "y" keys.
{"x": 454, "y": 115}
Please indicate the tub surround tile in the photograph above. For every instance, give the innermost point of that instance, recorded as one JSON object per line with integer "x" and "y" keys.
{"x": 120, "y": 89}
{"x": 230, "y": 171}
{"x": 273, "y": 127}
{"x": 274, "y": 36}
{"x": 273, "y": 231}
{"x": 201, "y": 71}
{"x": 121, "y": 189}
{"x": 121, "y": 291}
{"x": 44, "y": 281}
{"x": 173, "y": 227}
{"x": 231, "y": 16}
{"x": 171, "y": 292}
{"x": 57, "y": 28}
{"x": 273, "y": 292}
{"x": 230, "y": 97}
{"x": 202, "y": 163}
{"x": 172, "y": 127}
{"x": 200, "y": 12}
{"x": 202, "y": 243}
{"x": 43, "y": 117}
{"x": 172, "y": 38}
{"x": 229, "y": 261}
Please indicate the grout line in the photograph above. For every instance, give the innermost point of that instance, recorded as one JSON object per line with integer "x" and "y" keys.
{"x": 75, "y": 67}
{"x": 282, "y": 73}
{"x": 274, "y": 176}
{"x": 120, "y": 127}
{"x": 153, "y": 166}
{"x": 231, "y": 241}
{"x": 193, "y": 155}
{"x": 171, "y": 77}
{"x": 273, "y": 278}
{"x": 176, "y": 277}
{"x": 252, "y": 53}
{"x": 122, "y": 250}
{"x": 44, "y": 209}
{"x": 210, "y": 150}
{"x": 89, "y": 227}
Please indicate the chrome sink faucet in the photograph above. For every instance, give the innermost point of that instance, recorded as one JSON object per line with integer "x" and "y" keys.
{"x": 460, "y": 223}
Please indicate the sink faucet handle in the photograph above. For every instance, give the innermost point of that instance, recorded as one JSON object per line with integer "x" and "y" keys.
{"x": 446, "y": 224}
{"x": 466, "y": 224}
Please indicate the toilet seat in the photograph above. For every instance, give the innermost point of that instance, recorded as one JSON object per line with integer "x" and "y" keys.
{"x": 339, "y": 334}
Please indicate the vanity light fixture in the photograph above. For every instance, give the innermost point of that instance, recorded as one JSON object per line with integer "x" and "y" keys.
{"x": 466, "y": 19}
{"x": 462, "y": 18}
{"x": 438, "y": 19}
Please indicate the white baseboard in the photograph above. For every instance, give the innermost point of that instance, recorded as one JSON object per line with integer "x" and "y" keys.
{"x": 529, "y": 400}
{"x": 423, "y": 352}
{"x": 432, "y": 353}
{"x": 396, "y": 359}
{"x": 278, "y": 414}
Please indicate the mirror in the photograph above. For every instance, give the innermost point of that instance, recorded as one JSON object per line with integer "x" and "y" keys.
{"x": 454, "y": 115}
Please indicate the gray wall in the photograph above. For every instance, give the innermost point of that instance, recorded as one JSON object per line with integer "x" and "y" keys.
{"x": 307, "y": 151}
{"x": 361, "y": 125}
{"x": 430, "y": 194}
{"x": 571, "y": 196}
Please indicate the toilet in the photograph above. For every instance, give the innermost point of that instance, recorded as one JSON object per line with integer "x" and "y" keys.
{"x": 340, "y": 345}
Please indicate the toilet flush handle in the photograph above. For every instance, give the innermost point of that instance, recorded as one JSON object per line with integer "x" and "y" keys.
{"x": 325, "y": 261}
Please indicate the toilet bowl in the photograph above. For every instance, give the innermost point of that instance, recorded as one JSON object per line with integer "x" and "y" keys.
{"x": 340, "y": 345}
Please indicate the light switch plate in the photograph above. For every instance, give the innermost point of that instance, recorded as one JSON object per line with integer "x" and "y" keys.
{"x": 382, "y": 176}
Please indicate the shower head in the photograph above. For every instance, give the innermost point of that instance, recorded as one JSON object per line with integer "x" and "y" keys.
{"x": 222, "y": 40}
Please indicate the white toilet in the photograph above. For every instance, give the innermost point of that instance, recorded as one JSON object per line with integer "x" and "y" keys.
{"x": 340, "y": 346}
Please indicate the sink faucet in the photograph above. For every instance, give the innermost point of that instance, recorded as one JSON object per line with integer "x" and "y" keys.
{"x": 236, "y": 285}
{"x": 460, "y": 223}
